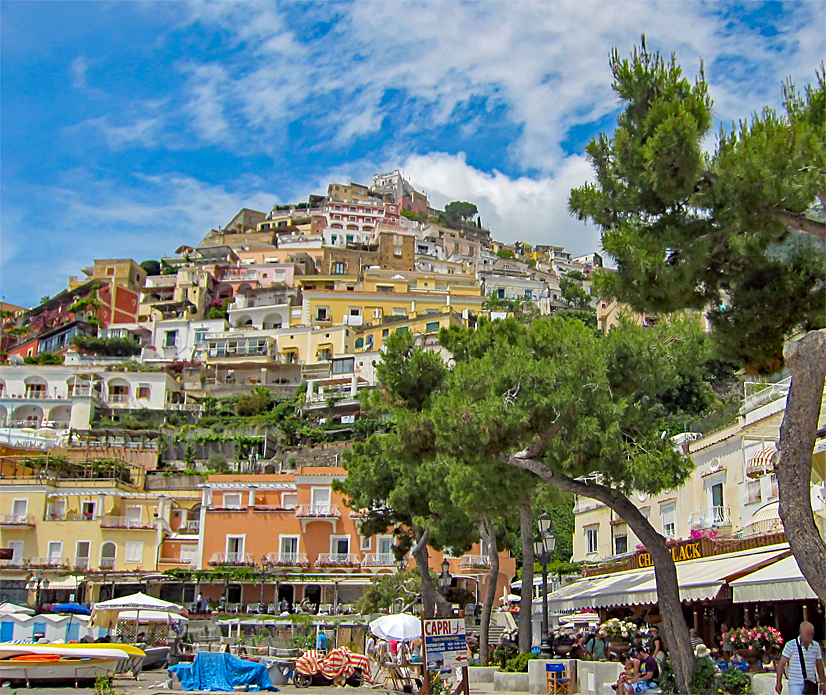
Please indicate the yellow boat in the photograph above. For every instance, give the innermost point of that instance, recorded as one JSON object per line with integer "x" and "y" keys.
{"x": 60, "y": 662}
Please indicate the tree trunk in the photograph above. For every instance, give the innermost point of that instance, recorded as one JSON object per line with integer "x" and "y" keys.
{"x": 526, "y": 602}
{"x": 431, "y": 598}
{"x": 665, "y": 570}
{"x": 488, "y": 535}
{"x": 806, "y": 359}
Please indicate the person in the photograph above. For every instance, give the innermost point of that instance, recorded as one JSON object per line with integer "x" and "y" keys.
{"x": 222, "y": 603}
{"x": 321, "y": 642}
{"x": 596, "y": 646}
{"x": 703, "y": 652}
{"x": 696, "y": 640}
{"x": 141, "y": 638}
{"x": 199, "y": 603}
{"x": 646, "y": 677}
{"x": 805, "y": 661}
{"x": 632, "y": 669}
{"x": 655, "y": 645}
{"x": 284, "y": 606}
{"x": 728, "y": 651}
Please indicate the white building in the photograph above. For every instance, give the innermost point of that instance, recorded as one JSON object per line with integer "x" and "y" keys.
{"x": 179, "y": 339}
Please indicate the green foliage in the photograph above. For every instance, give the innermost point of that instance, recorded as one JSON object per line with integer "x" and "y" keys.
{"x": 504, "y": 653}
{"x": 44, "y": 358}
{"x": 577, "y": 275}
{"x": 735, "y": 682}
{"x": 505, "y": 253}
{"x": 114, "y": 347}
{"x": 217, "y": 462}
{"x": 574, "y": 294}
{"x": 704, "y": 677}
{"x": 409, "y": 373}
{"x": 690, "y": 230}
{"x": 519, "y": 663}
{"x": 105, "y": 684}
{"x": 88, "y": 306}
{"x": 666, "y": 681}
{"x": 151, "y": 267}
{"x": 460, "y": 211}
{"x": 388, "y": 590}
{"x": 523, "y": 310}
{"x": 587, "y": 316}
{"x": 258, "y": 400}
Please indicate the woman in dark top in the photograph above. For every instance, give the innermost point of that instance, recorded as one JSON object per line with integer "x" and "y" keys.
{"x": 655, "y": 645}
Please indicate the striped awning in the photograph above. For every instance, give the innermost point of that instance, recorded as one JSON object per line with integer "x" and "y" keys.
{"x": 760, "y": 462}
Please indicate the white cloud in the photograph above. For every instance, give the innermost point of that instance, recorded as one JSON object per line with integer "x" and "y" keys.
{"x": 77, "y": 70}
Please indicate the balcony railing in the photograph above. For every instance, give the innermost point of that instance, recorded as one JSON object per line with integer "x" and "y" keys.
{"x": 379, "y": 560}
{"x": 188, "y": 561}
{"x": 288, "y": 559}
{"x": 232, "y": 559}
{"x": 16, "y": 520}
{"x": 317, "y": 511}
{"x": 766, "y": 395}
{"x": 118, "y": 398}
{"x": 37, "y": 395}
{"x": 13, "y": 562}
{"x": 753, "y": 492}
{"x": 192, "y": 526}
{"x": 474, "y": 562}
{"x": 70, "y": 517}
{"x": 124, "y": 522}
{"x": 81, "y": 563}
{"x": 106, "y": 563}
{"x": 347, "y": 560}
{"x": 50, "y": 561}
{"x": 712, "y": 517}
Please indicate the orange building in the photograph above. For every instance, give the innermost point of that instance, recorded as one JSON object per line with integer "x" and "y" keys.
{"x": 295, "y": 528}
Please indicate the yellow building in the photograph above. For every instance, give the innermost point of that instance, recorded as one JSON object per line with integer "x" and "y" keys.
{"x": 370, "y": 337}
{"x": 119, "y": 271}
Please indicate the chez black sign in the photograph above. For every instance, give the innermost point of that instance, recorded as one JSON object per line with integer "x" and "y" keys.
{"x": 686, "y": 551}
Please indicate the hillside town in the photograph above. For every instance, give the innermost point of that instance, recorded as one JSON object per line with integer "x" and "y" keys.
{"x": 360, "y": 440}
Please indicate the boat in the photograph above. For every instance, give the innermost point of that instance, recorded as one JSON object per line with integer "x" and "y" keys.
{"x": 132, "y": 665}
{"x": 35, "y": 663}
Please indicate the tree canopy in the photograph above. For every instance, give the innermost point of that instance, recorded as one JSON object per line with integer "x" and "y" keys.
{"x": 460, "y": 211}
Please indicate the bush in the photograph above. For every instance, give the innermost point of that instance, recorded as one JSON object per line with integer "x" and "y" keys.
{"x": 48, "y": 358}
{"x": 735, "y": 682}
{"x": 519, "y": 663}
{"x": 217, "y": 462}
{"x": 703, "y": 680}
{"x": 257, "y": 401}
{"x": 112, "y": 347}
{"x": 504, "y": 653}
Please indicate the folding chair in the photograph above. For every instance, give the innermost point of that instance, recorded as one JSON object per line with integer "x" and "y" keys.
{"x": 558, "y": 680}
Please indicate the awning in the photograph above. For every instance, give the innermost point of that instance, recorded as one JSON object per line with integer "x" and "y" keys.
{"x": 70, "y": 582}
{"x": 760, "y": 462}
{"x": 699, "y": 580}
{"x": 764, "y": 521}
{"x": 781, "y": 581}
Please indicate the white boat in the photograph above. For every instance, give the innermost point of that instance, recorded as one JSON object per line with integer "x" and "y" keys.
{"x": 45, "y": 662}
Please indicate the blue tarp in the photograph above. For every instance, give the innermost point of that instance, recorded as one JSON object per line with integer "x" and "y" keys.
{"x": 221, "y": 672}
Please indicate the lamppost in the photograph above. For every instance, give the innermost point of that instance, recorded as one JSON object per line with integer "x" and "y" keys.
{"x": 445, "y": 578}
{"x": 264, "y": 564}
{"x": 543, "y": 547}
{"x": 401, "y": 566}
{"x": 36, "y": 583}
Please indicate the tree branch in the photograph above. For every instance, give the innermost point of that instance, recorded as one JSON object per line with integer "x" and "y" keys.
{"x": 540, "y": 442}
{"x": 796, "y": 221}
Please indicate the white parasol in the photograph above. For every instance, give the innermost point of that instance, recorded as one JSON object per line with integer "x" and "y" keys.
{"x": 105, "y": 613}
{"x": 401, "y": 627}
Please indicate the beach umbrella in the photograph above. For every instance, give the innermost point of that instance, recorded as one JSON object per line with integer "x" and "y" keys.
{"x": 73, "y": 608}
{"x": 105, "y": 613}
{"x": 401, "y": 627}
{"x": 10, "y": 608}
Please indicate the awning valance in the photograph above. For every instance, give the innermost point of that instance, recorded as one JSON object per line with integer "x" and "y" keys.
{"x": 699, "y": 580}
{"x": 781, "y": 581}
{"x": 760, "y": 462}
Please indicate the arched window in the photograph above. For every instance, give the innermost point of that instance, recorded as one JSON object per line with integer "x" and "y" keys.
{"x": 108, "y": 553}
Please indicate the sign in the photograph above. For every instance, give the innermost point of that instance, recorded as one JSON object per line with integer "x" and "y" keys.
{"x": 686, "y": 551}
{"x": 444, "y": 643}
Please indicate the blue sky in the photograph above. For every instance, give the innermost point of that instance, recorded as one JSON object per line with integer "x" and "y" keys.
{"x": 129, "y": 128}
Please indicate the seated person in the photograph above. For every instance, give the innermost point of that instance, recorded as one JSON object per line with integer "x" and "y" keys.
{"x": 646, "y": 677}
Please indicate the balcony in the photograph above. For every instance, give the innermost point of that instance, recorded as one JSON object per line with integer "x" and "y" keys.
{"x": 469, "y": 563}
{"x": 37, "y": 395}
{"x": 192, "y": 526}
{"x": 713, "y": 517}
{"x": 125, "y": 522}
{"x": 81, "y": 563}
{"x": 185, "y": 561}
{"x": 48, "y": 562}
{"x": 318, "y": 512}
{"x": 16, "y": 520}
{"x": 377, "y": 560}
{"x": 337, "y": 560}
{"x": 70, "y": 517}
{"x": 13, "y": 563}
{"x": 106, "y": 563}
{"x": 118, "y": 398}
{"x": 291, "y": 560}
{"x": 241, "y": 559}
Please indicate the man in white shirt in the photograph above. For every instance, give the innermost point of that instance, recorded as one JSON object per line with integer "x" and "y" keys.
{"x": 812, "y": 660}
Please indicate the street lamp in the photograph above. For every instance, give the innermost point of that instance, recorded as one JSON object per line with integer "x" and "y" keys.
{"x": 445, "y": 578}
{"x": 264, "y": 564}
{"x": 544, "y": 545}
{"x": 36, "y": 583}
{"x": 401, "y": 564}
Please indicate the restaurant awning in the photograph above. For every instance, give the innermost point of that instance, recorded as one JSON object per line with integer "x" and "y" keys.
{"x": 781, "y": 581}
{"x": 699, "y": 580}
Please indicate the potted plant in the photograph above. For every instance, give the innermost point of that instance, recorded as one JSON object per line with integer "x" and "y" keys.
{"x": 748, "y": 642}
{"x": 619, "y": 633}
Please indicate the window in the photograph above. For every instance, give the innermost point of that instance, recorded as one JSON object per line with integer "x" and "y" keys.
{"x": 591, "y": 543}
{"x": 385, "y": 333}
{"x": 144, "y": 391}
{"x": 58, "y": 510}
{"x": 133, "y": 517}
{"x": 401, "y": 329}
{"x": 339, "y": 268}
{"x": 171, "y": 338}
{"x": 355, "y": 311}
{"x": 528, "y": 294}
{"x": 82, "y": 554}
{"x": 88, "y": 509}
{"x": 110, "y": 270}
{"x": 384, "y": 288}
{"x": 717, "y": 495}
{"x": 344, "y": 366}
{"x": 55, "y": 552}
{"x": 668, "y": 513}
{"x": 320, "y": 500}
{"x": 200, "y": 335}
{"x": 16, "y": 548}
{"x": 399, "y": 311}
{"x": 19, "y": 508}
{"x": 322, "y": 313}
{"x": 232, "y": 500}
{"x": 359, "y": 343}
{"x": 288, "y": 548}
{"x": 366, "y": 543}
{"x": 397, "y": 251}
{"x": 500, "y": 293}
{"x": 134, "y": 551}
{"x": 620, "y": 545}
{"x": 235, "y": 549}
{"x": 340, "y": 547}
{"x": 289, "y": 500}
{"x": 431, "y": 326}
